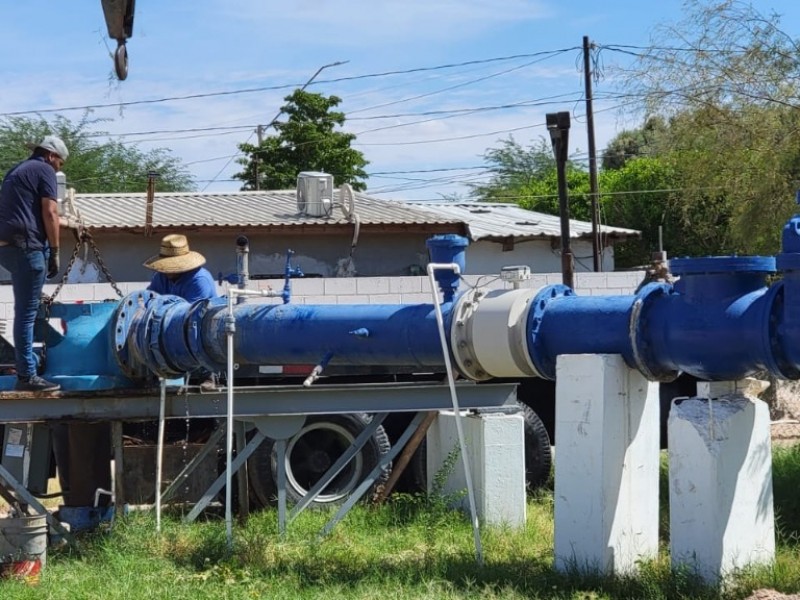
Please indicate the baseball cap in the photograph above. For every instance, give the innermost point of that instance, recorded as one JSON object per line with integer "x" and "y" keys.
{"x": 54, "y": 144}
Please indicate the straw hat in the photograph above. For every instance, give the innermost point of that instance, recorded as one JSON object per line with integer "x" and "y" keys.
{"x": 175, "y": 256}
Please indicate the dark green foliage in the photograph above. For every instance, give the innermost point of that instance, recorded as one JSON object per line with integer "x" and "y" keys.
{"x": 308, "y": 140}
{"x": 93, "y": 166}
{"x": 528, "y": 177}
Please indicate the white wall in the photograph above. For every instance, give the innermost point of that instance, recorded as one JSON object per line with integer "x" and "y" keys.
{"x": 320, "y": 255}
{"x": 352, "y": 290}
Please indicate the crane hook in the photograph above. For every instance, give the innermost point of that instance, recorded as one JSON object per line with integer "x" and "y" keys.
{"x": 121, "y": 61}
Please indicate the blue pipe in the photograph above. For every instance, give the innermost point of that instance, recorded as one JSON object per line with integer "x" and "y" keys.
{"x": 378, "y": 334}
{"x": 719, "y": 321}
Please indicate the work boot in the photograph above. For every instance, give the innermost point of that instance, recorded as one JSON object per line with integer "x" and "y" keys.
{"x": 34, "y": 383}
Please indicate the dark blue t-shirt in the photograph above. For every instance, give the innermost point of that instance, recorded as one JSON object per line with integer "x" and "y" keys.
{"x": 21, "y": 195}
{"x": 194, "y": 285}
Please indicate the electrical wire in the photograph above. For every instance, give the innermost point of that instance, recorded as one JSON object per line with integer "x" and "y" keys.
{"x": 200, "y": 95}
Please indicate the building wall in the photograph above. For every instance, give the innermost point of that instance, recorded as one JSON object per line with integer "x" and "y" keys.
{"x": 318, "y": 255}
{"x": 347, "y": 290}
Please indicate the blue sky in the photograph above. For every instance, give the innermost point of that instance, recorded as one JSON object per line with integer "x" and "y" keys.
{"x": 55, "y": 55}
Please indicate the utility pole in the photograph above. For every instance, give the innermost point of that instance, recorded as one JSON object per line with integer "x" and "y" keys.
{"x": 558, "y": 128}
{"x": 593, "y": 191}
{"x": 260, "y": 134}
{"x": 151, "y": 196}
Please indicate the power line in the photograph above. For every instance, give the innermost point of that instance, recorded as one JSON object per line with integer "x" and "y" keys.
{"x": 282, "y": 86}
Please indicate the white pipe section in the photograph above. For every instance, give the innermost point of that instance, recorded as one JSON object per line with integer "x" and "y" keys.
{"x": 160, "y": 449}
{"x": 230, "y": 329}
{"x": 476, "y": 532}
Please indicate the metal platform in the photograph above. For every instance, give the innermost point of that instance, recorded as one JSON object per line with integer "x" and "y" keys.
{"x": 252, "y": 404}
{"x": 133, "y": 405}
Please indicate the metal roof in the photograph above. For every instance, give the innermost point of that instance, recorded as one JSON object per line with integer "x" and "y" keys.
{"x": 269, "y": 209}
{"x": 497, "y": 221}
{"x": 278, "y": 210}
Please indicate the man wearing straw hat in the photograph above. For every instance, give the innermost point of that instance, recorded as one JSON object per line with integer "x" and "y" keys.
{"x": 29, "y": 233}
{"x": 179, "y": 271}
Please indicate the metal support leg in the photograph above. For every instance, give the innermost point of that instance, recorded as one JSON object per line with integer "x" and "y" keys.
{"x": 219, "y": 483}
{"x": 239, "y": 430}
{"x": 369, "y": 481}
{"x": 181, "y": 477}
{"x": 20, "y": 490}
{"x": 340, "y": 464}
{"x": 119, "y": 487}
{"x": 280, "y": 451}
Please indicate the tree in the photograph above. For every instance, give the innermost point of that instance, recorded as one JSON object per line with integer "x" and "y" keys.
{"x": 306, "y": 141}
{"x": 630, "y": 144}
{"x": 727, "y": 82}
{"x": 639, "y": 196}
{"x": 93, "y": 166}
{"x": 528, "y": 177}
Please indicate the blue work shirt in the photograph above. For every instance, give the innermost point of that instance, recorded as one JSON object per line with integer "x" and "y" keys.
{"x": 194, "y": 285}
{"x": 21, "y": 195}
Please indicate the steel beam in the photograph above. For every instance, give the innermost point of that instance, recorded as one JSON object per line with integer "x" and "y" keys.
{"x": 253, "y": 401}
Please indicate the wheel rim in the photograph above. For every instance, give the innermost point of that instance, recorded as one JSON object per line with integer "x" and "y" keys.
{"x": 313, "y": 451}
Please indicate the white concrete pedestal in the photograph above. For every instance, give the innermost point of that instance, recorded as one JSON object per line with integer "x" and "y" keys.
{"x": 496, "y": 453}
{"x": 720, "y": 483}
{"x": 607, "y": 460}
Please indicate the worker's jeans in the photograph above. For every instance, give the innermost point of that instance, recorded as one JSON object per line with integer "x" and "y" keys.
{"x": 28, "y": 270}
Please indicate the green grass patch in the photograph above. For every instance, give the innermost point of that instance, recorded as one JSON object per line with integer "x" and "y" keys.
{"x": 413, "y": 547}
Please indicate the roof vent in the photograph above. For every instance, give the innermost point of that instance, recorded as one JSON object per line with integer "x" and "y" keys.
{"x": 314, "y": 194}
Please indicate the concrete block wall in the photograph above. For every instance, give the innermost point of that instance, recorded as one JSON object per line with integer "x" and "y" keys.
{"x": 350, "y": 290}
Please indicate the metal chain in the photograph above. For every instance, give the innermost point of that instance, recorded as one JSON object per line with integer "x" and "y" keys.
{"x": 47, "y": 301}
{"x": 101, "y": 263}
{"x": 83, "y": 236}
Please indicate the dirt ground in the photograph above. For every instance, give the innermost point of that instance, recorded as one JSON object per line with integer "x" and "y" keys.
{"x": 771, "y": 595}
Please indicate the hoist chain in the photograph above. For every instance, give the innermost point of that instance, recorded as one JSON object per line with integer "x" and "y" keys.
{"x": 82, "y": 237}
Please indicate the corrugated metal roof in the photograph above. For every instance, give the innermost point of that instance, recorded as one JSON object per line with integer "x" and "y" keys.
{"x": 239, "y": 209}
{"x": 490, "y": 220}
{"x": 271, "y": 209}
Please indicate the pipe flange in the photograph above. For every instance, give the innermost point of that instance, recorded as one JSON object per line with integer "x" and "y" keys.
{"x": 637, "y": 332}
{"x": 461, "y": 336}
{"x": 194, "y": 339}
{"x": 130, "y": 309}
{"x": 541, "y": 361}
{"x": 774, "y": 356}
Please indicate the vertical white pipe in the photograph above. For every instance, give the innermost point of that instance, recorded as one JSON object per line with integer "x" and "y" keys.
{"x": 160, "y": 449}
{"x": 229, "y": 433}
{"x": 476, "y": 532}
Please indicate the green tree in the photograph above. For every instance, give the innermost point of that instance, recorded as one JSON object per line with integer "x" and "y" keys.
{"x": 639, "y": 196}
{"x": 528, "y": 177}
{"x": 726, "y": 80}
{"x": 93, "y": 166}
{"x": 633, "y": 143}
{"x": 308, "y": 140}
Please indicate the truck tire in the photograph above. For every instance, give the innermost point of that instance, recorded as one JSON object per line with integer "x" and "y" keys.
{"x": 310, "y": 453}
{"x": 538, "y": 451}
{"x": 538, "y": 454}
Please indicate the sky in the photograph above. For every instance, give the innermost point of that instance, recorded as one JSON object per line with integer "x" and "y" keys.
{"x": 427, "y": 86}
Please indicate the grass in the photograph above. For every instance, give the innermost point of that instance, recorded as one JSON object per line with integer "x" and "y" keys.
{"x": 413, "y": 547}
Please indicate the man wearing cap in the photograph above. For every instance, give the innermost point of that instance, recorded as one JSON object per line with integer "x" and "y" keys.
{"x": 179, "y": 271}
{"x": 29, "y": 235}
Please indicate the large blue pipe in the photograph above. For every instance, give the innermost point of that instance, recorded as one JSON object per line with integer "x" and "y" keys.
{"x": 287, "y": 334}
{"x": 719, "y": 321}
